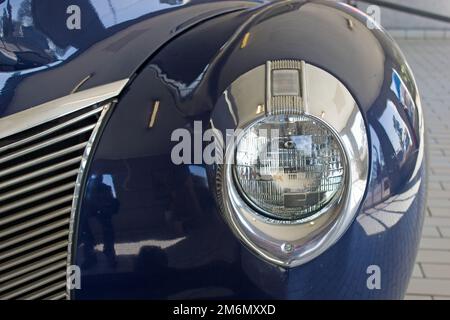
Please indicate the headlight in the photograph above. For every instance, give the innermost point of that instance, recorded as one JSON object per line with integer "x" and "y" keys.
{"x": 290, "y": 167}
{"x": 294, "y": 179}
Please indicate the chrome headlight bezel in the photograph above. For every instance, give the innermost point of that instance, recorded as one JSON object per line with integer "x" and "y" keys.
{"x": 292, "y": 243}
{"x": 269, "y": 217}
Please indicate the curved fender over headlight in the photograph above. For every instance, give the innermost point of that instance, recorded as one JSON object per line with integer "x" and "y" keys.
{"x": 294, "y": 179}
{"x": 335, "y": 90}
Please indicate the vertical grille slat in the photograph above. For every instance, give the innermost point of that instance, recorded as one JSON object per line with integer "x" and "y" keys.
{"x": 39, "y": 167}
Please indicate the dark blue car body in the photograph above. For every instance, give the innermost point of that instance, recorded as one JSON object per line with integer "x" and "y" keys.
{"x": 170, "y": 240}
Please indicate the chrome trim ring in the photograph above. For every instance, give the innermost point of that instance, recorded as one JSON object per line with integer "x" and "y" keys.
{"x": 293, "y": 244}
{"x": 268, "y": 217}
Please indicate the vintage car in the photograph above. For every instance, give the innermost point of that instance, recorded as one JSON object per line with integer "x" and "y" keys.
{"x": 191, "y": 149}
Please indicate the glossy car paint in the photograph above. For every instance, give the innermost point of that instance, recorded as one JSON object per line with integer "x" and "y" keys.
{"x": 115, "y": 39}
{"x": 163, "y": 236}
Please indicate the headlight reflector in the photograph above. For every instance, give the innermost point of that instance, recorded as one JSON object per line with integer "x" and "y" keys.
{"x": 289, "y": 167}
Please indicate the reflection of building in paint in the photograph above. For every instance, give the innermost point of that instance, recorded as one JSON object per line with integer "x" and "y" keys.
{"x": 392, "y": 186}
{"x": 183, "y": 89}
{"x": 399, "y": 135}
{"x": 388, "y": 213}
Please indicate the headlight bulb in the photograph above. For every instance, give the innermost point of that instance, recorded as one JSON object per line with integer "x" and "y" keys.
{"x": 289, "y": 167}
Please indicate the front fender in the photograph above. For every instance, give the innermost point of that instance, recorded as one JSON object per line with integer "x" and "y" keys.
{"x": 167, "y": 238}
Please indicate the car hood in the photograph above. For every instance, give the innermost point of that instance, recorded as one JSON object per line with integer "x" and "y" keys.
{"x": 44, "y": 56}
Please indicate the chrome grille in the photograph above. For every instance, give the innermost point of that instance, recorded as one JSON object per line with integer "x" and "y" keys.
{"x": 38, "y": 172}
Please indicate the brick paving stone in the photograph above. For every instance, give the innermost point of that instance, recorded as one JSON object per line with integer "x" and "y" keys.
{"x": 431, "y": 66}
{"x": 417, "y": 272}
{"x": 435, "y": 243}
{"x": 431, "y": 232}
{"x": 436, "y": 298}
{"x": 445, "y": 231}
{"x": 439, "y": 194}
{"x": 436, "y": 186}
{"x": 417, "y": 297}
{"x": 437, "y": 221}
{"x": 437, "y": 271}
{"x": 440, "y": 170}
{"x": 435, "y": 177}
{"x": 436, "y": 202}
{"x": 433, "y": 256}
{"x": 432, "y": 287}
{"x": 438, "y": 211}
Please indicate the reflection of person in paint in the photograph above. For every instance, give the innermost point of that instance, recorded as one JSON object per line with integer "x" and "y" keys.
{"x": 102, "y": 205}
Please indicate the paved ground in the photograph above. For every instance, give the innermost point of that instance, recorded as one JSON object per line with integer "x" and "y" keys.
{"x": 430, "y": 61}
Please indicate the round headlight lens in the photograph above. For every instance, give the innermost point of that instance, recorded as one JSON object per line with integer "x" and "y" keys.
{"x": 289, "y": 167}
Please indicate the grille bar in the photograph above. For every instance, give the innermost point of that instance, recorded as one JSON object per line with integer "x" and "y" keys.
{"x": 39, "y": 167}
{"x": 43, "y": 159}
{"x": 55, "y": 109}
{"x": 40, "y": 172}
{"x": 33, "y": 210}
{"x": 35, "y": 285}
{"x": 34, "y": 255}
{"x": 59, "y": 286}
{"x": 33, "y": 275}
{"x": 38, "y": 185}
{"x": 50, "y": 130}
{"x": 33, "y": 222}
{"x": 20, "y": 271}
{"x": 47, "y": 143}
{"x": 57, "y": 296}
{"x": 39, "y": 196}
{"x": 29, "y": 235}
{"x": 34, "y": 244}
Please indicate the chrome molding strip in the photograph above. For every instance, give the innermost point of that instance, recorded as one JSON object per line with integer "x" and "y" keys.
{"x": 77, "y": 194}
{"x": 43, "y": 113}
